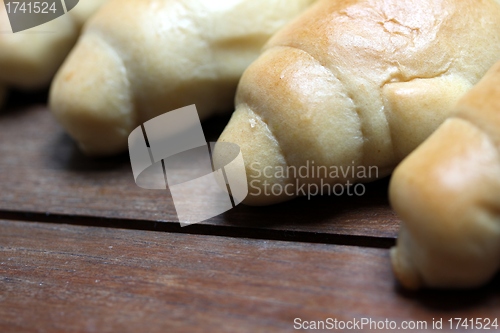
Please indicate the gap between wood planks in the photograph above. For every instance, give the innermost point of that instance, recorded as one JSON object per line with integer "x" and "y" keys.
{"x": 200, "y": 229}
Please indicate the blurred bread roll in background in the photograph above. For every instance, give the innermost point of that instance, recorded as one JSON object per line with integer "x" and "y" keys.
{"x": 447, "y": 192}
{"x": 29, "y": 59}
{"x": 138, "y": 59}
{"x": 356, "y": 84}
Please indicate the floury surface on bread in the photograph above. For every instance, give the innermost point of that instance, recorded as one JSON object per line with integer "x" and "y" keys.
{"x": 29, "y": 59}
{"x": 447, "y": 193}
{"x": 356, "y": 84}
{"x": 138, "y": 59}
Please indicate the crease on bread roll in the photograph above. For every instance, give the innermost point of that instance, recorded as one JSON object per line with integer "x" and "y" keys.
{"x": 447, "y": 193}
{"x": 29, "y": 59}
{"x": 356, "y": 84}
{"x": 159, "y": 56}
{"x": 84, "y": 10}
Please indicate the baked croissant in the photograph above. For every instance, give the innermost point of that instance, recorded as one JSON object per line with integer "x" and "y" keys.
{"x": 138, "y": 59}
{"x": 355, "y": 85}
{"x": 447, "y": 192}
{"x": 29, "y": 59}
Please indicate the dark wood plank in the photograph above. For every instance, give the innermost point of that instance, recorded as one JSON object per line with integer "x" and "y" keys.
{"x": 42, "y": 172}
{"x": 55, "y": 277}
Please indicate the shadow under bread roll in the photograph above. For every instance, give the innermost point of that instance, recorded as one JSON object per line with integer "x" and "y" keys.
{"x": 3, "y": 93}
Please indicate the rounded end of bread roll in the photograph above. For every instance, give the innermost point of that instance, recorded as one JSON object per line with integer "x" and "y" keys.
{"x": 261, "y": 153}
{"x": 91, "y": 98}
{"x": 446, "y": 192}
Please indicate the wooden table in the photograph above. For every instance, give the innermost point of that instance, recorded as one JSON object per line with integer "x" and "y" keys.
{"x": 82, "y": 248}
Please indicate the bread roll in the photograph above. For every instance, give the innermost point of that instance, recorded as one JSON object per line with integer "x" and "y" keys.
{"x": 356, "y": 85}
{"x": 84, "y": 10}
{"x": 141, "y": 58}
{"x": 447, "y": 192}
{"x": 29, "y": 59}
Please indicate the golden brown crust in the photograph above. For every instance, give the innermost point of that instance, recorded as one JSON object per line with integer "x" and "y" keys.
{"x": 172, "y": 53}
{"x": 362, "y": 83}
{"x": 484, "y": 99}
{"x": 447, "y": 194}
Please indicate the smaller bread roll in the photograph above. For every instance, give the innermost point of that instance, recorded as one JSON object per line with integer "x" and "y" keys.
{"x": 447, "y": 193}
{"x": 138, "y": 59}
{"x": 29, "y": 59}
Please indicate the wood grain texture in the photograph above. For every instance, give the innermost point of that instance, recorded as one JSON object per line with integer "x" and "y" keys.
{"x": 43, "y": 173}
{"x": 56, "y": 277}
